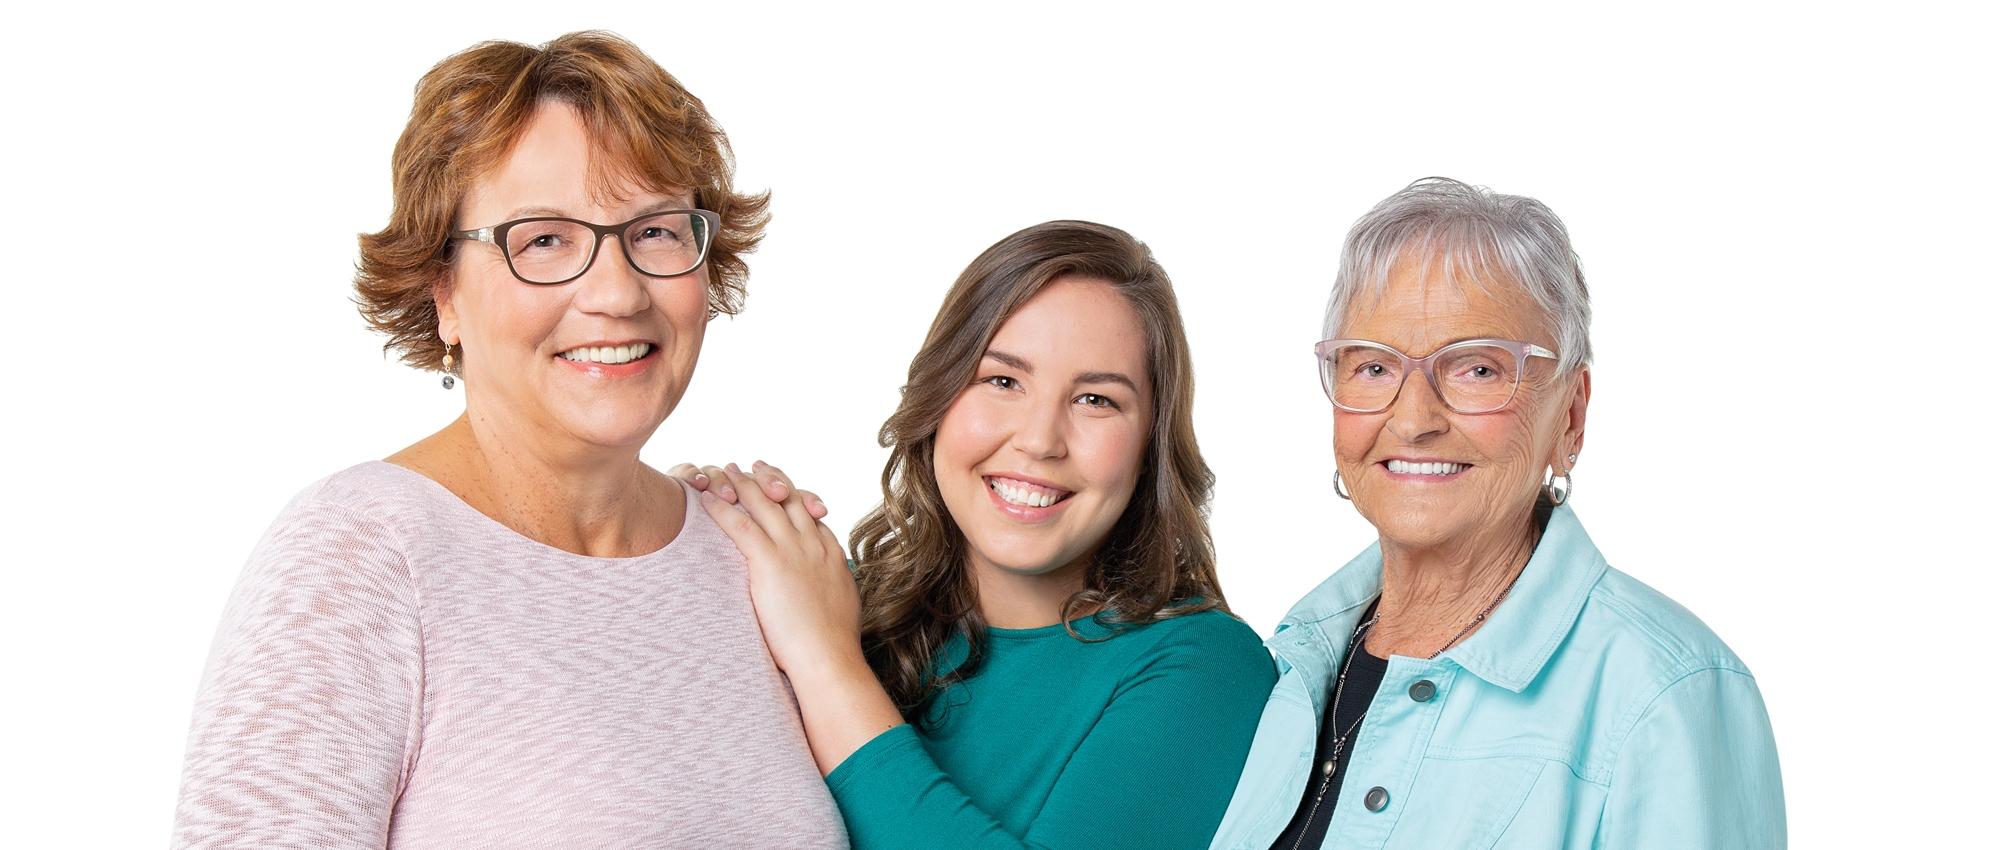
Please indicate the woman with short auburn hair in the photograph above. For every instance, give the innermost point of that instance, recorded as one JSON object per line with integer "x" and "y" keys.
{"x": 514, "y": 632}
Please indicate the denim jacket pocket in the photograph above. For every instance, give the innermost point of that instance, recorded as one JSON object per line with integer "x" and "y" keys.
{"x": 1465, "y": 803}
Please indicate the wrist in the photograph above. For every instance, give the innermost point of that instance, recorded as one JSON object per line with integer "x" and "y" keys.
{"x": 836, "y": 669}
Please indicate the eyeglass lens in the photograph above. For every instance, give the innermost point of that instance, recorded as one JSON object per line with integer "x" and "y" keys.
{"x": 554, "y": 251}
{"x": 1470, "y": 378}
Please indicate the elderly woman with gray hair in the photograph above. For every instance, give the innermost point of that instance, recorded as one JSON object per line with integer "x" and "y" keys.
{"x": 1481, "y": 677}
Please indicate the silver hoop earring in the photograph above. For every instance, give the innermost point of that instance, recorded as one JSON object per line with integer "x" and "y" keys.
{"x": 1336, "y": 487}
{"x": 449, "y": 381}
{"x": 1559, "y": 495}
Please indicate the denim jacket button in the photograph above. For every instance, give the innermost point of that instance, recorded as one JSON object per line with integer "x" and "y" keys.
{"x": 1423, "y": 691}
{"x": 1377, "y": 799}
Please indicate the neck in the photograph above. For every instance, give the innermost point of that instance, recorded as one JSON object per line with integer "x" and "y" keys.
{"x": 1016, "y": 600}
{"x": 586, "y": 500}
{"x": 1430, "y": 594}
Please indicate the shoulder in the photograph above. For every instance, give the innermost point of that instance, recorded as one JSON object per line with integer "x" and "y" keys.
{"x": 1208, "y": 645}
{"x": 1632, "y": 648}
{"x": 376, "y": 490}
{"x": 1648, "y": 631}
{"x": 354, "y": 523}
{"x": 1211, "y": 629}
{"x": 330, "y": 570}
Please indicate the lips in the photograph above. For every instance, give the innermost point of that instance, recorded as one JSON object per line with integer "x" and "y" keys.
{"x": 1432, "y": 468}
{"x": 610, "y": 355}
{"x": 611, "y": 359}
{"x": 1027, "y": 494}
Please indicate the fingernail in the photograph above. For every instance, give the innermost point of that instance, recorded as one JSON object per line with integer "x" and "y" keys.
{"x": 701, "y": 478}
{"x": 728, "y": 493}
{"x": 732, "y": 468}
{"x": 706, "y": 497}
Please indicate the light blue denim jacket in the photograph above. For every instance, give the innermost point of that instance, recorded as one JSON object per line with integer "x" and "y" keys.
{"x": 1589, "y": 711}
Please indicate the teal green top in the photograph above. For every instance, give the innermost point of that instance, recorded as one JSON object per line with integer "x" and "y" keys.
{"x": 1132, "y": 742}
{"x": 1588, "y": 711}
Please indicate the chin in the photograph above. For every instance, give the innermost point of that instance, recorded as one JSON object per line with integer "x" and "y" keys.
{"x": 628, "y": 430}
{"x": 1023, "y": 554}
{"x": 1416, "y": 523}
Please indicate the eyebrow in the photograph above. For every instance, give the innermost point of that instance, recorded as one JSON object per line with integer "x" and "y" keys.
{"x": 1435, "y": 349}
{"x": 1016, "y": 362}
{"x": 1011, "y": 361}
{"x": 1107, "y": 378}
{"x": 649, "y": 209}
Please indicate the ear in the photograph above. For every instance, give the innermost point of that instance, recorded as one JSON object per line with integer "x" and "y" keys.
{"x": 1579, "y": 403}
{"x": 447, "y": 311}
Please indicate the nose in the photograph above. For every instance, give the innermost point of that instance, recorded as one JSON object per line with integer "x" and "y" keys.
{"x": 611, "y": 286}
{"x": 1418, "y": 412}
{"x": 1041, "y": 432}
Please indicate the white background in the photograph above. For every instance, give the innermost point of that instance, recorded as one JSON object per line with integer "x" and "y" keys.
{"x": 1785, "y": 215}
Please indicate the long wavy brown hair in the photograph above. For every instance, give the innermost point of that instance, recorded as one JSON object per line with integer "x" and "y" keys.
{"x": 1158, "y": 560}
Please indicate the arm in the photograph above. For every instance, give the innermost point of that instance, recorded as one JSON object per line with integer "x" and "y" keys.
{"x": 807, "y": 607}
{"x": 307, "y": 717}
{"x": 1155, "y": 772}
{"x": 1699, "y": 769}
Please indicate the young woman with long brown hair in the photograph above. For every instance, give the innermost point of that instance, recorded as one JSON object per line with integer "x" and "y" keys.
{"x": 1038, "y": 653}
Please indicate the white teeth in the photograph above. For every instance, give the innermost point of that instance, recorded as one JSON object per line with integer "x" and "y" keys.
{"x": 1409, "y": 468}
{"x": 1023, "y": 495}
{"x": 608, "y": 354}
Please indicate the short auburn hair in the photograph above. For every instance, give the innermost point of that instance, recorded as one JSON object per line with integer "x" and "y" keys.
{"x": 469, "y": 111}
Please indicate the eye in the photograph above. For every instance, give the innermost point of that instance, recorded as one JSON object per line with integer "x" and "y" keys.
{"x": 658, "y": 232}
{"x": 1001, "y": 381}
{"x": 1477, "y": 371}
{"x": 1098, "y": 401}
{"x": 543, "y": 242}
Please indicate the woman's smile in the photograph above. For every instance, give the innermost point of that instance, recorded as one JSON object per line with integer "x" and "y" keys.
{"x": 610, "y": 360}
{"x": 1423, "y": 470}
{"x": 1025, "y": 499}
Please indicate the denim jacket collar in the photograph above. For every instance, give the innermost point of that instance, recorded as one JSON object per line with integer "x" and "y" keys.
{"x": 1509, "y": 650}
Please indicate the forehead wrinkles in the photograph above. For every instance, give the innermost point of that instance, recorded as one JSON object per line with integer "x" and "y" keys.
{"x": 1424, "y": 303}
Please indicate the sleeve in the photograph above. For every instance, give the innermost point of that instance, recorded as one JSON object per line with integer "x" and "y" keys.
{"x": 1155, "y": 772}
{"x": 1699, "y": 769}
{"x": 307, "y": 717}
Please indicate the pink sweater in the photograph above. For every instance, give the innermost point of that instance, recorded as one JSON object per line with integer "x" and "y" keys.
{"x": 396, "y": 669}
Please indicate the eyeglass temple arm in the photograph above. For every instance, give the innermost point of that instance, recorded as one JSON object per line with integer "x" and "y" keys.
{"x": 484, "y": 234}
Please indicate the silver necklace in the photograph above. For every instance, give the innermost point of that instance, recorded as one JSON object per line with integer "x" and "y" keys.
{"x": 1475, "y": 620}
{"x": 1332, "y": 762}
{"x": 1340, "y": 743}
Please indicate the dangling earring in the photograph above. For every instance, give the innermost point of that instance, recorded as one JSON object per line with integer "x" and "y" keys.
{"x": 1559, "y": 495}
{"x": 1336, "y": 487}
{"x": 449, "y": 381}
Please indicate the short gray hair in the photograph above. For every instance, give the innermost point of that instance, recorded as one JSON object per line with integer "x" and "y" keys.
{"x": 1478, "y": 236}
